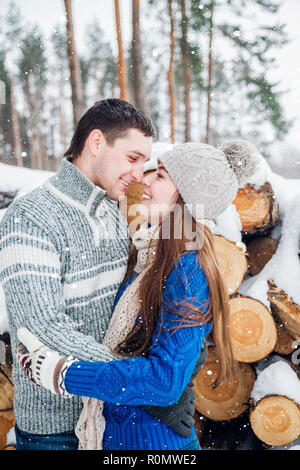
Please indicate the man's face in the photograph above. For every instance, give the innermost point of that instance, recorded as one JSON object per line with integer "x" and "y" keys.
{"x": 116, "y": 167}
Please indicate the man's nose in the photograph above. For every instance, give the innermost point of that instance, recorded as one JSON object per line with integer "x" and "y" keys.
{"x": 147, "y": 179}
{"x": 138, "y": 173}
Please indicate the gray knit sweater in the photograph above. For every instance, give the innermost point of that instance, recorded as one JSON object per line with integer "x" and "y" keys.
{"x": 63, "y": 255}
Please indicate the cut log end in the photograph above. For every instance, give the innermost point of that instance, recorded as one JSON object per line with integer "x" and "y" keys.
{"x": 232, "y": 261}
{"x": 258, "y": 209}
{"x": 276, "y": 420}
{"x": 227, "y": 400}
{"x": 252, "y": 329}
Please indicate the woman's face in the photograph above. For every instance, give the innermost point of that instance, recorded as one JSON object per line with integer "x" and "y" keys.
{"x": 160, "y": 193}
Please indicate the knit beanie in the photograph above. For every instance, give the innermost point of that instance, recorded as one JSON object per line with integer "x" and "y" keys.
{"x": 207, "y": 177}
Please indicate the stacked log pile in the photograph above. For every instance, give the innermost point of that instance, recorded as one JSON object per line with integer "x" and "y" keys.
{"x": 257, "y": 333}
{"x": 222, "y": 417}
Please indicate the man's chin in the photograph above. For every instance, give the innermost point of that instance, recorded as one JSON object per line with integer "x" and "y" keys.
{"x": 116, "y": 195}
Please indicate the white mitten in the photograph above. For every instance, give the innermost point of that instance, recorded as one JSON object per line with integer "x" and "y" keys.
{"x": 41, "y": 365}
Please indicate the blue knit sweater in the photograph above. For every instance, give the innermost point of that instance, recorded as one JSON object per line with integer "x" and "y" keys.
{"x": 159, "y": 380}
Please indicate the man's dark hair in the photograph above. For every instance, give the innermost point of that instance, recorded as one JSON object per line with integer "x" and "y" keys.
{"x": 113, "y": 117}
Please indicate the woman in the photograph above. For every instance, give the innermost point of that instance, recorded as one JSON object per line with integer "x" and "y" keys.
{"x": 172, "y": 294}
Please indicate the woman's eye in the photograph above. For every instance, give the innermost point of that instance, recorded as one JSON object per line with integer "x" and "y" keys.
{"x": 159, "y": 175}
{"x": 133, "y": 159}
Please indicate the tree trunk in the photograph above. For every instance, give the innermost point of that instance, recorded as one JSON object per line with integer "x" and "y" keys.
{"x": 258, "y": 209}
{"x": 38, "y": 138}
{"x": 227, "y": 400}
{"x": 252, "y": 329}
{"x": 62, "y": 121}
{"x": 232, "y": 261}
{"x": 32, "y": 136}
{"x": 15, "y": 125}
{"x": 186, "y": 71}
{"x": 276, "y": 420}
{"x": 74, "y": 67}
{"x": 171, "y": 74}
{"x": 137, "y": 62}
{"x": 122, "y": 63}
{"x": 210, "y": 72}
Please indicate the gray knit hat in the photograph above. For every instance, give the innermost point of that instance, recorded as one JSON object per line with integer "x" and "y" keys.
{"x": 207, "y": 177}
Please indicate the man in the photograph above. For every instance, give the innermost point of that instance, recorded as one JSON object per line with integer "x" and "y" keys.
{"x": 63, "y": 255}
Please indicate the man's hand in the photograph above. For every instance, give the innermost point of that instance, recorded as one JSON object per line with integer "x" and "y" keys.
{"x": 41, "y": 365}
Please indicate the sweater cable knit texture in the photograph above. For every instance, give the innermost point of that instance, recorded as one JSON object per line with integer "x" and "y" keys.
{"x": 63, "y": 256}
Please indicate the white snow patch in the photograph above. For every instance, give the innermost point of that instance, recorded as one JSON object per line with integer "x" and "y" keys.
{"x": 277, "y": 379}
{"x": 11, "y": 437}
{"x": 228, "y": 224}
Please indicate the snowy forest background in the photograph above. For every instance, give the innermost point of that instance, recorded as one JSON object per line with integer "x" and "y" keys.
{"x": 204, "y": 70}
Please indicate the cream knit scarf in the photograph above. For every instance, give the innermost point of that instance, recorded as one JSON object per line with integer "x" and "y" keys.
{"x": 91, "y": 423}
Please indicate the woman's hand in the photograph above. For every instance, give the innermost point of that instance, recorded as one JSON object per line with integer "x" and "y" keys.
{"x": 41, "y": 365}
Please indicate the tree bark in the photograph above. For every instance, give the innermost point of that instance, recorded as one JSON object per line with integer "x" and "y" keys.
{"x": 260, "y": 251}
{"x": 15, "y": 125}
{"x": 122, "y": 63}
{"x": 210, "y": 73}
{"x": 171, "y": 74}
{"x": 74, "y": 67}
{"x": 284, "y": 308}
{"x": 186, "y": 71}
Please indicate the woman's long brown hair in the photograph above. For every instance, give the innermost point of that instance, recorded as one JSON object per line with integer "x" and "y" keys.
{"x": 168, "y": 251}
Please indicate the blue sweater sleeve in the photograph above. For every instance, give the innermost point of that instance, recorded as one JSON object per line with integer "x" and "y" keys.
{"x": 161, "y": 378}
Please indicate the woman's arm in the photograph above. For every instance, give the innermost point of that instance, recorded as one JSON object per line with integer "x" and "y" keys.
{"x": 161, "y": 378}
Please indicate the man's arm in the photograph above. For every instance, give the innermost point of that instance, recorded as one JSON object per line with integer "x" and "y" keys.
{"x": 31, "y": 277}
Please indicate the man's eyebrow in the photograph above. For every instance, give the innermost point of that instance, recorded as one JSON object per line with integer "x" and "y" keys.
{"x": 140, "y": 154}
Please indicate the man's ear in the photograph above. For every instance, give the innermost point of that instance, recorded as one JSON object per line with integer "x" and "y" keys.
{"x": 95, "y": 140}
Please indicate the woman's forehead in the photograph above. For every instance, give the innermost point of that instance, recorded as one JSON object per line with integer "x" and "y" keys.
{"x": 161, "y": 165}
